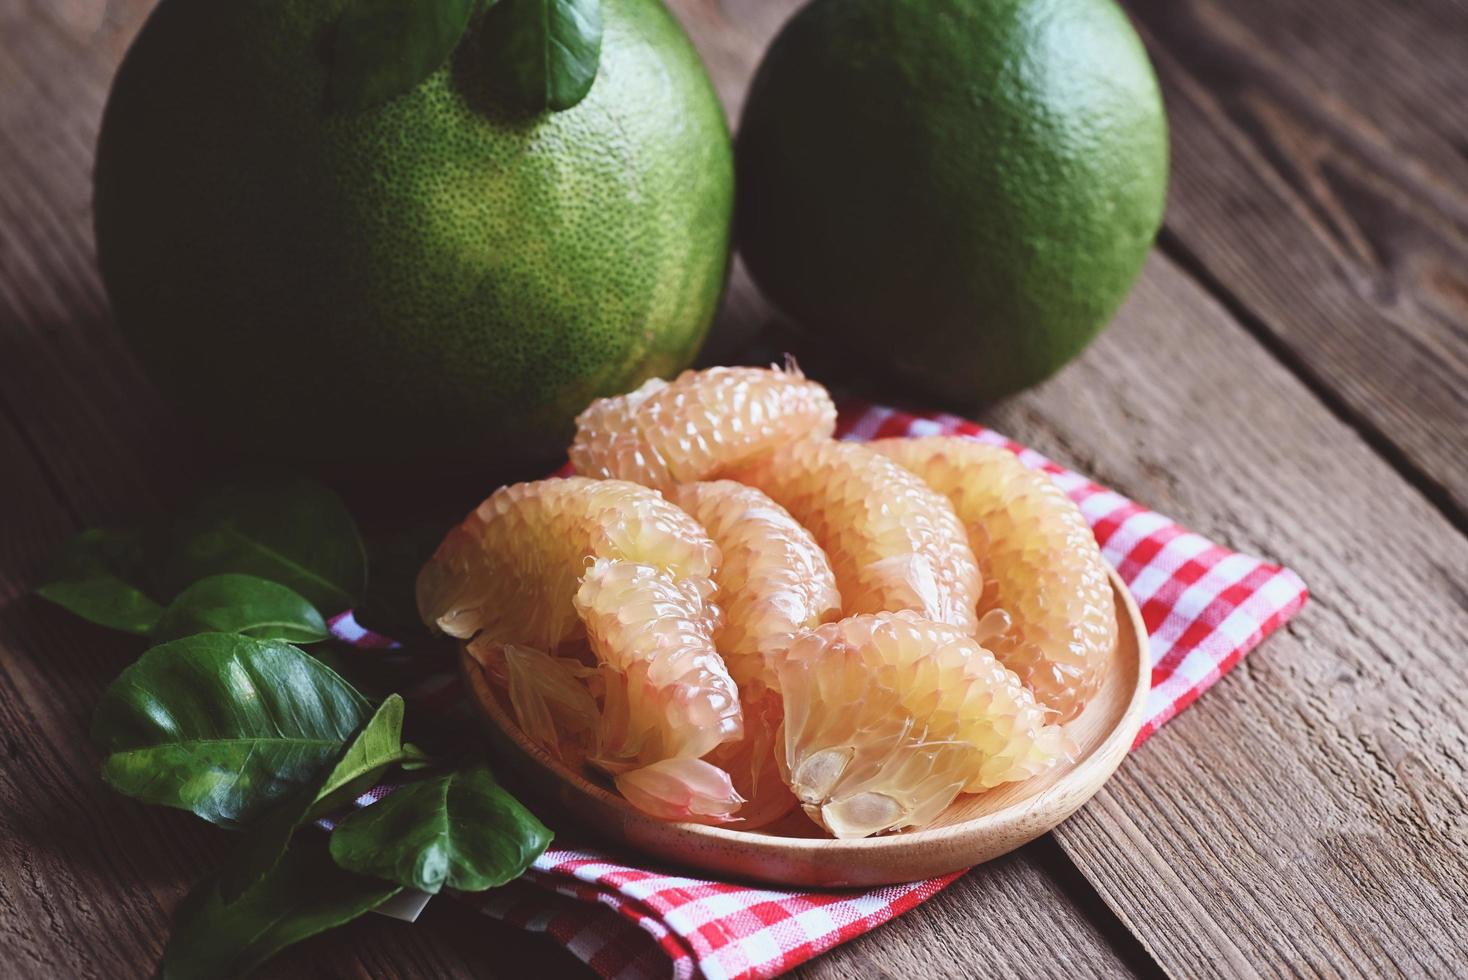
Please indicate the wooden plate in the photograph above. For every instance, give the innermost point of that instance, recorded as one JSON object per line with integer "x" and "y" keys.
{"x": 793, "y": 852}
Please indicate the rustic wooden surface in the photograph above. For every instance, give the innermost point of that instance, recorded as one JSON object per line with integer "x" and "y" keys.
{"x": 1290, "y": 377}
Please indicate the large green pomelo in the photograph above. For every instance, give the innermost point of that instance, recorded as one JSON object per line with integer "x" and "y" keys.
{"x": 962, "y": 190}
{"x": 434, "y": 281}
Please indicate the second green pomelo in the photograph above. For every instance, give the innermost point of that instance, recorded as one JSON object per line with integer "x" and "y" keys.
{"x": 962, "y": 190}
{"x": 436, "y": 281}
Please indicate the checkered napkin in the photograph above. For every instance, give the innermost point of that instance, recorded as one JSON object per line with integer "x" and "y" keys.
{"x": 1205, "y": 607}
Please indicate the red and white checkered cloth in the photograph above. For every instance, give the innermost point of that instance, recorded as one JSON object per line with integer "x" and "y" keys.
{"x": 1204, "y": 606}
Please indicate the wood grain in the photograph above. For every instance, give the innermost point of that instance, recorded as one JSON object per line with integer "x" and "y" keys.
{"x": 67, "y": 373}
{"x": 1306, "y": 815}
{"x": 1320, "y": 186}
{"x": 996, "y": 923}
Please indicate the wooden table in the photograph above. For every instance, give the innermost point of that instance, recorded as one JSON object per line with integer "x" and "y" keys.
{"x": 1290, "y": 377}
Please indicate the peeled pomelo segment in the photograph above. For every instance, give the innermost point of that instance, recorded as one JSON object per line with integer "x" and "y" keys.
{"x": 681, "y": 789}
{"x": 668, "y": 697}
{"x": 1046, "y": 610}
{"x": 668, "y": 693}
{"x": 449, "y": 587}
{"x": 774, "y": 581}
{"x": 751, "y": 761}
{"x": 509, "y": 571}
{"x": 893, "y": 542}
{"x": 699, "y": 425}
{"x": 549, "y": 695}
{"x": 889, "y": 716}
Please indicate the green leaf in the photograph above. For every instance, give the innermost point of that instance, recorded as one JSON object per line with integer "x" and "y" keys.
{"x": 415, "y": 758}
{"x": 304, "y": 895}
{"x": 223, "y": 725}
{"x": 241, "y": 604}
{"x": 100, "y": 575}
{"x": 291, "y": 531}
{"x": 377, "y": 746}
{"x": 460, "y": 829}
{"x": 386, "y": 48}
{"x": 542, "y": 54}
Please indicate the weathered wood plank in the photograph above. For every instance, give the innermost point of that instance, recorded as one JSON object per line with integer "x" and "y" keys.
{"x": 1320, "y": 184}
{"x": 982, "y": 927}
{"x": 112, "y": 449}
{"x": 1306, "y": 816}
{"x": 68, "y": 369}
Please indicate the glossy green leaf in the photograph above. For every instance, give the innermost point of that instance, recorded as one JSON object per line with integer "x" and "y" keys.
{"x": 243, "y": 604}
{"x": 223, "y": 725}
{"x": 384, "y": 48}
{"x": 376, "y": 747}
{"x": 304, "y": 895}
{"x": 101, "y": 575}
{"x": 291, "y": 531}
{"x": 542, "y": 54}
{"x": 459, "y": 829}
{"x": 338, "y": 657}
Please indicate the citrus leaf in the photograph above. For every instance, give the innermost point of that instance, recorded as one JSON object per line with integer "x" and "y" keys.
{"x": 99, "y": 575}
{"x": 244, "y": 604}
{"x": 543, "y": 54}
{"x": 223, "y": 725}
{"x": 292, "y": 531}
{"x": 459, "y": 829}
{"x": 377, "y": 746}
{"x": 386, "y": 48}
{"x": 304, "y": 895}
{"x": 415, "y": 758}
{"x": 338, "y": 657}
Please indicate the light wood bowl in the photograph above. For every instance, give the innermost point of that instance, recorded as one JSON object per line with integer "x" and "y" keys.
{"x": 794, "y": 852}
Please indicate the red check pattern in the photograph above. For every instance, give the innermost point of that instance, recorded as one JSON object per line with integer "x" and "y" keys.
{"x": 1204, "y": 605}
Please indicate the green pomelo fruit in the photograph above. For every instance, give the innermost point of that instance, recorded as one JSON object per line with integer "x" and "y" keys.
{"x": 963, "y": 191}
{"x": 436, "y": 281}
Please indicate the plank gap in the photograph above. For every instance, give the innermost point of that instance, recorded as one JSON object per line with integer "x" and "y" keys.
{"x": 1125, "y": 943}
{"x": 1437, "y": 493}
{"x": 48, "y": 475}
